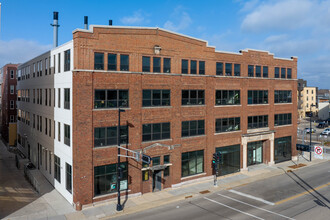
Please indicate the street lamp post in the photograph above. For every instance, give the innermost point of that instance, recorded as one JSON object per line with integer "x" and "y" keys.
{"x": 310, "y": 133}
{"x": 119, "y": 206}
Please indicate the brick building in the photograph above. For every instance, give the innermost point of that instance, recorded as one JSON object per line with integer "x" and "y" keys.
{"x": 183, "y": 101}
{"x": 8, "y": 103}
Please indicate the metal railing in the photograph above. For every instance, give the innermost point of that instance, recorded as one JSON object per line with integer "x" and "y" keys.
{"x": 31, "y": 179}
{"x": 303, "y": 136}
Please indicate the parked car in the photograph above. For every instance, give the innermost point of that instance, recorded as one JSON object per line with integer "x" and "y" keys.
{"x": 307, "y": 130}
{"x": 322, "y": 125}
{"x": 326, "y": 131}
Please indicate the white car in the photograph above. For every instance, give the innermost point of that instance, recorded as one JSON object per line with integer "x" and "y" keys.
{"x": 326, "y": 132}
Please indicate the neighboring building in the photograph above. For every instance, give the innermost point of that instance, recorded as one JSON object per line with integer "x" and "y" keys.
{"x": 323, "y": 95}
{"x": 324, "y": 110}
{"x": 183, "y": 101}
{"x": 8, "y": 109}
{"x": 308, "y": 102}
{"x": 301, "y": 85}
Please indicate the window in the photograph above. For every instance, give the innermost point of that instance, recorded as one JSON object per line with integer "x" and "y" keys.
{"x": 260, "y": 121}
{"x": 54, "y": 63}
{"x": 98, "y": 61}
{"x": 145, "y": 64}
{"x": 159, "y": 131}
{"x": 38, "y": 122}
{"x": 12, "y": 89}
{"x": 155, "y": 161}
{"x": 289, "y": 73}
{"x": 40, "y": 154}
{"x": 167, "y": 161}
{"x": 46, "y": 163}
{"x": 201, "y": 67}
{"x": 107, "y": 136}
{"x": 229, "y": 159}
{"x": 50, "y": 97}
{"x": 192, "y": 97}
{"x": 40, "y": 100}
{"x": 282, "y": 149}
{"x": 156, "y": 98}
{"x": 156, "y": 64}
{"x": 277, "y": 72}
{"x": 50, "y": 127}
{"x": 59, "y": 63}
{"x": 282, "y": 96}
{"x": 192, "y": 128}
{"x": 237, "y": 69}
{"x": 167, "y": 65}
{"x": 67, "y": 61}
{"x": 258, "y": 71}
{"x": 112, "y": 61}
{"x": 250, "y": 70}
{"x": 192, "y": 163}
{"x": 40, "y": 127}
{"x": 110, "y": 98}
{"x": 59, "y": 131}
{"x": 46, "y": 126}
{"x": 229, "y": 69}
{"x": 257, "y": 97}
{"x": 34, "y": 69}
{"x": 124, "y": 63}
{"x": 312, "y": 91}
{"x": 12, "y": 74}
{"x": 57, "y": 168}
{"x": 66, "y": 98}
{"x": 265, "y": 71}
{"x": 283, "y": 72}
{"x": 12, "y": 119}
{"x": 68, "y": 177}
{"x": 50, "y": 162}
{"x": 306, "y": 91}
{"x": 105, "y": 178}
{"x": 46, "y": 66}
{"x": 40, "y": 67}
{"x": 46, "y": 97}
{"x": 227, "y": 124}
{"x": 12, "y": 104}
{"x": 193, "y": 67}
{"x": 67, "y": 134}
{"x": 184, "y": 66}
{"x": 34, "y": 96}
{"x": 227, "y": 97}
{"x": 219, "y": 68}
{"x": 283, "y": 119}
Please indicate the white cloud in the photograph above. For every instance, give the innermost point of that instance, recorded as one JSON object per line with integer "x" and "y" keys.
{"x": 248, "y": 5}
{"x": 20, "y": 51}
{"x": 136, "y": 18}
{"x": 180, "y": 20}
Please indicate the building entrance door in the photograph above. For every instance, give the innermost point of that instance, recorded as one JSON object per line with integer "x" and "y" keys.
{"x": 254, "y": 153}
{"x": 157, "y": 181}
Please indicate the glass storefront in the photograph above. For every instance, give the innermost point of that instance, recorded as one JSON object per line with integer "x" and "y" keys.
{"x": 230, "y": 159}
{"x": 192, "y": 163}
{"x": 282, "y": 149}
{"x": 254, "y": 153}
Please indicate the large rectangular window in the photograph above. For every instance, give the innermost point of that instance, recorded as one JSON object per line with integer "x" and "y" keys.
{"x": 67, "y": 61}
{"x": 167, "y": 65}
{"x": 159, "y": 131}
{"x": 193, "y": 128}
{"x": 156, "y": 64}
{"x": 193, "y": 97}
{"x": 229, "y": 159}
{"x": 282, "y": 96}
{"x": 265, "y": 71}
{"x": 59, "y": 63}
{"x": 228, "y": 68}
{"x": 145, "y": 64}
{"x": 66, "y": 98}
{"x": 107, "y": 136}
{"x": 156, "y": 98}
{"x": 258, "y": 71}
{"x": 201, "y": 67}
{"x": 227, "y": 97}
{"x": 282, "y": 149}
{"x": 67, "y": 134}
{"x": 184, "y": 66}
{"x": 260, "y": 121}
{"x": 219, "y": 68}
{"x": 98, "y": 61}
{"x": 257, "y": 97}
{"x": 124, "y": 62}
{"x": 289, "y": 73}
{"x": 112, "y": 61}
{"x": 277, "y": 72}
{"x": 105, "y": 178}
{"x": 237, "y": 69}
{"x": 59, "y": 98}
{"x": 250, "y": 70}
{"x": 193, "y": 67}
{"x": 283, "y": 119}
{"x": 192, "y": 163}
{"x": 57, "y": 168}
{"x": 111, "y": 98}
{"x": 227, "y": 124}
{"x": 283, "y": 73}
{"x": 68, "y": 177}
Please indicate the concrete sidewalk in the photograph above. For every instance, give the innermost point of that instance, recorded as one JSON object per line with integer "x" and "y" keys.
{"x": 54, "y": 206}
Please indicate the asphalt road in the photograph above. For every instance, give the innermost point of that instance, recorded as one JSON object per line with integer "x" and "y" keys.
{"x": 301, "y": 194}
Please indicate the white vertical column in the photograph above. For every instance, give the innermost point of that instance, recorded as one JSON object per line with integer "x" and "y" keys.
{"x": 244, "y": 143}
{"x": 271, "y": 139}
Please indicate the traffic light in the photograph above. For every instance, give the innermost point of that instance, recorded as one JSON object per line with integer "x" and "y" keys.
{"x": 216, "y": 158}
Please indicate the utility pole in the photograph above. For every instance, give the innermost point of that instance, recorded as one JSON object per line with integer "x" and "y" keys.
{"x": 119, "y": 206}
{"x": 310, "y": 133}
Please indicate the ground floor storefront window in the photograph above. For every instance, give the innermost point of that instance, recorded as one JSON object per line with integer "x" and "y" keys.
{"x": 105, "y": 179}
{"x": 254, "y": 153}
{"x": 230, "y": 159}
{"x": 192, "y": 163}
{"x": 282, "y": 150}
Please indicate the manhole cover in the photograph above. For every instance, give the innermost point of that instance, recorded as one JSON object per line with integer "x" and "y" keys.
{"x": 204, "y": 192}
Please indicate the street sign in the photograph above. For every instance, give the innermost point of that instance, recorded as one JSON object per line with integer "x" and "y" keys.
{"x": 303, "y": 147}
{"x": 318, "y": 152}
{"x": 146, "y": 159}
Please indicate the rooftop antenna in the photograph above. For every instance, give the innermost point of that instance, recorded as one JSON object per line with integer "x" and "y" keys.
{"x": 55, "y": 25}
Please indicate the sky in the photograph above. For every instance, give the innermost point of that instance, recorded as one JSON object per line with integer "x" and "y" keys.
{"x": 284, "y": 27}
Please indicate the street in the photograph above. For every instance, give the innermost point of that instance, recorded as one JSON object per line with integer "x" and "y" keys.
{"x": 301, "y": 194}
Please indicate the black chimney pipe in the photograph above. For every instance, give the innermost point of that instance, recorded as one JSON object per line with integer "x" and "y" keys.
{"x": 110, "y": 22}
{"x": 86, "y": 22}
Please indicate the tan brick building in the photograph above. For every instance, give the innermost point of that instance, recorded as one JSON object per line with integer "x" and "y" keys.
{"x": 183, "y": 101}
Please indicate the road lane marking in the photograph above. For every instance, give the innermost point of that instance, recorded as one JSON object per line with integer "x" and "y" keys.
{"x": 301, "y": 194}
{"x": 251, "y": 197}
{"x": 255, "y": 206}
{"x": 211, "y": 200}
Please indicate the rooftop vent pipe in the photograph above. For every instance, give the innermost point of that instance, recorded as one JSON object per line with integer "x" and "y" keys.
{"x": 86, "y": 22}
{"x": 55, "y": 25}
{"x": 110, "y": 22}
